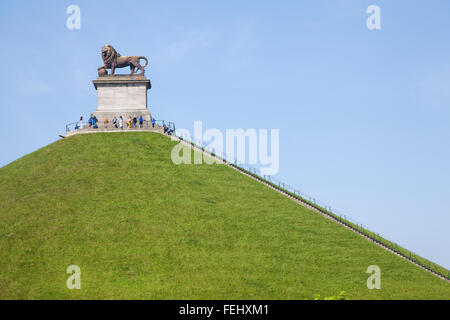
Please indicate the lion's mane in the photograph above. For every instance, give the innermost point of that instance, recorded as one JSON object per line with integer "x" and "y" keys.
{"x": 109, "y": 55}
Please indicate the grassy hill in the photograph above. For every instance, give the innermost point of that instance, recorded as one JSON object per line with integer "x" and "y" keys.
{"x": 141, "y": 227}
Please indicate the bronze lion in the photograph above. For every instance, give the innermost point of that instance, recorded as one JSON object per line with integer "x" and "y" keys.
{"x": 112, "y": 60}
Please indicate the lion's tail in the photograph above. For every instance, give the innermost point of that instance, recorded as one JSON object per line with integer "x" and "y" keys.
{"x": 146, "y": 61}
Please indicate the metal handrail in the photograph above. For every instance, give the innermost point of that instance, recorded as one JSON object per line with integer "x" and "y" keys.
{"x": 324, "y": 208}
{"x": 147, "y": 124}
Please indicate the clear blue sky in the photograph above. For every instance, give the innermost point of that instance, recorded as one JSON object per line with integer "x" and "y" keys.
{"x": 364, "y": 116}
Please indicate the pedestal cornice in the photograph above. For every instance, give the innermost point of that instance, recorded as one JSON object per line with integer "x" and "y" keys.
{"x": 122, "y": 79}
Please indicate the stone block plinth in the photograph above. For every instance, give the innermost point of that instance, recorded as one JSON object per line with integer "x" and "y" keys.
{"x": 122, "y": 95}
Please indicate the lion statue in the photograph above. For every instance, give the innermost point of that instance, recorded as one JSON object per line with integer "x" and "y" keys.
{"x": 112, "y": 60}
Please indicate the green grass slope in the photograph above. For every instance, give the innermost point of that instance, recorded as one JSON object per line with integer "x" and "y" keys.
{"x": 141, "y": 227}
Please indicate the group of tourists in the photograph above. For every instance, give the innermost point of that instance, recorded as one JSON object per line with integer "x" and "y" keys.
{"x": 118, "y": 123}
{"x": 130, "y": 123}
{"x": 93, "y": 123}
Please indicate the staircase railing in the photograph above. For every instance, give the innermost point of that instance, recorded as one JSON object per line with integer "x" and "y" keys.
{"x": 101, "y": 125}
{"x": 323, "y": 208}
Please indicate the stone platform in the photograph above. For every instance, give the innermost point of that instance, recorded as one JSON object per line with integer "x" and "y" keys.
{"x": 122, "y": 95}
{"x": 111, "y": 129}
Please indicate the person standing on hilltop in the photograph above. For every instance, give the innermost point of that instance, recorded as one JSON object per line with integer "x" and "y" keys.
{"x": 153, "y": 122}
{"x": 141, "y": 122}
{"x": 121, "y": 122}
{"x": 106, "y": 121}
{"x": 81, "y": 122}
{"x": 94, "y": 122}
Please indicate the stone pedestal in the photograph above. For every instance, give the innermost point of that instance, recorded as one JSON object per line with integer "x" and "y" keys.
{"x": 122, "y": 95}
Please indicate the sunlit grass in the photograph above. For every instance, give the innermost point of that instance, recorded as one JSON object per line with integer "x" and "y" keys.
{"x": 141, "y": 227}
